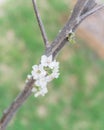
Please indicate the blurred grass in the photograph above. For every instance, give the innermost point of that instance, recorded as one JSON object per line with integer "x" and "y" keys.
{"x": 75, "y": 101}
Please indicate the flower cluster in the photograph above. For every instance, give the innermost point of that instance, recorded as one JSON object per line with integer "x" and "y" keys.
{"x": 43, "y": 73}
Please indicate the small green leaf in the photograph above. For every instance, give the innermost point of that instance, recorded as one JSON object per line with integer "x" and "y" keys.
{"x": 71, "y": 38}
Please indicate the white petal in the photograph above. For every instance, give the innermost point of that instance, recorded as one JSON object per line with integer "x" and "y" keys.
{"x": 43, "y": 60}
{"x": 42, "y": 82}
{"x": 40, "y": 67}
{"x": 29, "y": 76}
{"x": 43, "y": 57}
{"x": 34, "y": 74}
{"x": 54, "y": 64}
{"x": 34, "y": 90}
{"x": 56, "y": 75}
{"x": 49, "y": 78}
{"x": 50, "y": 58}
{"x": 37, "y": 94}
{"x": 37, "y": 83}
{"x": 35, "y": 67}
{"x": 44, "y": 91}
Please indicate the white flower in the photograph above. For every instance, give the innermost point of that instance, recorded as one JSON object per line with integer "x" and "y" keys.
{"x": 43, "y": 73}
{"x": 34, "y": 90}
{"x": 41, "y": 92}
{"x": 49, "y": 78}
{"x": 28, "y": 77}
{"x": 44, "y": 91}
{"x": 46, "y": 61}
{"x": 55, "y": 70}
{"x": 38, "y": 72}
{"x": 42, "y": 82}
{"x": 37, "y": 94}
{"x": 54, "y": 64}
{"x": 53, "y": 75}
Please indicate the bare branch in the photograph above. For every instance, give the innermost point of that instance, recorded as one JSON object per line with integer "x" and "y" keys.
{"x": 73, "y": 26}
{"x": 57, "y": 50}
{"x": 70, "y": 23}
{"x": 92, "y": 11}
{"x": 17, "y": 103}
{"x": 41, "y": 26}
{"x": 78, "y": 9}
{"x": 90, "y": 5}
{"x": 84, "y": 16}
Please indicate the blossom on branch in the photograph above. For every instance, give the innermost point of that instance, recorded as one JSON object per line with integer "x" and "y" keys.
{"x": 43, "y": 73}
{"x": 46, "y": 61}
{"x": 38, "y": 72}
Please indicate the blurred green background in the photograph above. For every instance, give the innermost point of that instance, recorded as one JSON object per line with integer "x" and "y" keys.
{"x": 76, "y": 99}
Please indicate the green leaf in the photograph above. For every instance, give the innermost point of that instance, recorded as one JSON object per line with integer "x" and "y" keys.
{"x": 71, "y": 38}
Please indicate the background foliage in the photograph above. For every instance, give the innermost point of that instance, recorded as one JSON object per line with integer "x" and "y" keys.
{"x": 76, "y": 100}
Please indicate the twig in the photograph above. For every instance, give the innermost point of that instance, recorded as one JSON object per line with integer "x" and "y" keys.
{"x": 57, "y": 50}
{"x": 78, "y": 9}
{"x": 99, "y": 7}
{"x": 41, "y": 26}
{"x": 17, "y": 103}
{"x": 84, "y": 16}
{"x": 69, "y": 25}
{"x": 73, "y": 27}
{"x": 90, "y": 5}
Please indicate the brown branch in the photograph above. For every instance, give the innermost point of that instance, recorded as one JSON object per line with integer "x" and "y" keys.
{"x": 57, "y": 50}
{"x": 92, "y": 11}
{"x": 87, "y": 14}
{"x": 80, "y": 5}
{"x": 90, "y": 5}
{"x": 56, "y": 46}
{"x": 17, "y": 103}
{"x": 73, "y": 26}
{"x": 41, "y": 26}
{"x": 70, "y": 23}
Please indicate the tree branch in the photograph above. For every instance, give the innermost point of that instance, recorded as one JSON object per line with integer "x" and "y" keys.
{"x": 73, "y": 20}
{"x": 41, "y": 26}
{"x": 92, "y": 11}
{"x": 80, "y": 5}
{"x": 17, "y": 103}
{"x": 57, "y": 50}
{"x": 72, "y": 26}
{"x": 83, "y": 17}
{"x": 90, "y": 5}
{"x": 56, "y": 46}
